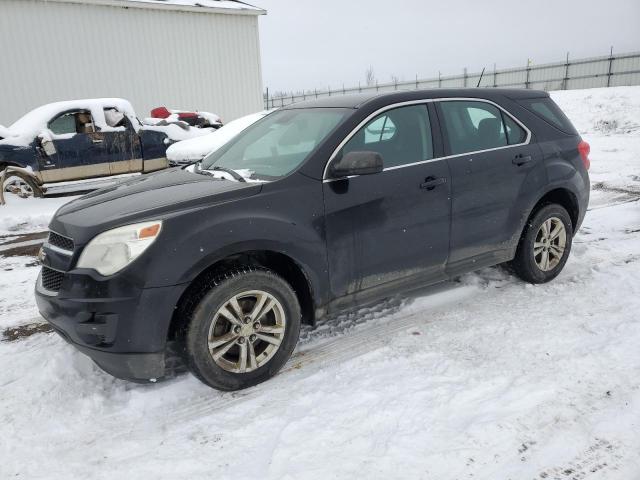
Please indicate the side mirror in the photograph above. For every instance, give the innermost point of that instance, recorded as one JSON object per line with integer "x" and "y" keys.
{"x": 47, "y": 145}
{"x": 357, "y": 163}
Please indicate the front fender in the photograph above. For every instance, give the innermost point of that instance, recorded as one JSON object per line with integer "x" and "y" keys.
{"x": 192, "y": 243}
{"x": 19, "y": 156}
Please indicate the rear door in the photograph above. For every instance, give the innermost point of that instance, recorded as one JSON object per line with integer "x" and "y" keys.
{"x": 121, "y": 143}
{"x": 495, "y": 171}
{"x": 389, "y": 229}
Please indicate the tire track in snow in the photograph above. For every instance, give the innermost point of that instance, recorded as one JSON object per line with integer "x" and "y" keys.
{"x": 338, "y": 350}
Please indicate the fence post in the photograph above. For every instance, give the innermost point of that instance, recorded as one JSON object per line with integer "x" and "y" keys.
{"x": 267, "y": 98}
{"x": 377, "y": 86}
{"x": 465, "y": 77}
{"x": 565, "y": 80}
{"x": 610, "y": 67}
{"x": 316, "y": 91}
{"x": 495, "y": 76}
{"x": 439, "y": 80}
{"x": 329, "y": 90}
{"x": 417, "y": 82}
{"x": 343, "y": 92}
{"x": 282, "y": 101}
{"x": 526, "y": 83}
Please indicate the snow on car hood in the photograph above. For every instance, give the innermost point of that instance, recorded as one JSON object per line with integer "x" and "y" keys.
{"x": 198, "y": 148}
{"x": 5, "y": 132}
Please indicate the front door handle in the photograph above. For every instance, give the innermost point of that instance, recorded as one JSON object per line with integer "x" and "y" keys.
{"x": 432, "y": 182}
{"x": 97, "y": 140}
{"x": 521, "y": 159}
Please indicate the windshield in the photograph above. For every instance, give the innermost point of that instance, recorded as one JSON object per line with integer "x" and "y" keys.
{"x": 277, "y": 144}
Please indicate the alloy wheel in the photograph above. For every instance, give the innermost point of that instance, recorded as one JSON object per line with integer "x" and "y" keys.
{"x": 246, "y": 332}
{"x": 550, "y": 244}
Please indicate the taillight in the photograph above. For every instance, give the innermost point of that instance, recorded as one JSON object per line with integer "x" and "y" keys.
{"x": 584, "y": 149}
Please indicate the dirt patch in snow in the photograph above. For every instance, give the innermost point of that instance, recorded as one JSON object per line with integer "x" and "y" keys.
{"x": 14, "y": 334}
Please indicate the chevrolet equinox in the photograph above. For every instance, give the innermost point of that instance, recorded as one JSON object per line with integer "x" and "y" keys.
{"x": 322, "y": 206}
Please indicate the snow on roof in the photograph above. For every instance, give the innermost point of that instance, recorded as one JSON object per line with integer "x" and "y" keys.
{"x": 204, "y": 6}
{"x": 31, "y": 124}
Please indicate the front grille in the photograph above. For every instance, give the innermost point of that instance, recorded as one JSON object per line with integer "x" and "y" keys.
{"x": 59, "y": 241}
{"x": 51, "y": 279}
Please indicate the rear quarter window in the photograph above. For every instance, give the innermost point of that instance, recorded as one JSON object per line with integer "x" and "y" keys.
{"x": 547, "y": 110}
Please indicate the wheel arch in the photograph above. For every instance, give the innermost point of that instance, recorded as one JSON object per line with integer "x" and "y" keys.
{"x": 563, "y": 197}
{"x": 280, "y": 263}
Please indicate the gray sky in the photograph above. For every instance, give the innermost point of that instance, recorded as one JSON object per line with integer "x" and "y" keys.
{"x": 311, "y": 44}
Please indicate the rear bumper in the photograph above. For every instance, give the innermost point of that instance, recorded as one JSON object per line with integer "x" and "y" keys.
{"x": 125, "y": 336}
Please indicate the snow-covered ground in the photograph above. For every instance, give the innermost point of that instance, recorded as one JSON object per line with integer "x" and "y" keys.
{"x": 485, "y": 377}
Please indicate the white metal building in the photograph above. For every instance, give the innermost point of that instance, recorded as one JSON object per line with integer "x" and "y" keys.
{"x": 185, "y": 54}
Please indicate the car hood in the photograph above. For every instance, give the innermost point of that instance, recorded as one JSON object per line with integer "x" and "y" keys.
{"x": 143, "y": 198}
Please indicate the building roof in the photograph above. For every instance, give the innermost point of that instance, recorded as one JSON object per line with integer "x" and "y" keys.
{"x": 201, "y": 6}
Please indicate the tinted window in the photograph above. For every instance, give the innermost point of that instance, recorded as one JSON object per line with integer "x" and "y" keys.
{"x": 546, "y": 109}
{"x": 401, "y": 136}
{"x": 473, "y": 126}
{"x": 515, "y": 133}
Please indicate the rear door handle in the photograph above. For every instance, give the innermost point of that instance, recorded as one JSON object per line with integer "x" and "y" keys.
{"x": 432, "y": 182}
{"x": 521, "y": 159}
{"x": 96, "y": 140}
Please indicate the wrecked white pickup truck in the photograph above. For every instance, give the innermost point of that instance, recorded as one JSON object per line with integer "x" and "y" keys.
{"x": 77, "y": 140}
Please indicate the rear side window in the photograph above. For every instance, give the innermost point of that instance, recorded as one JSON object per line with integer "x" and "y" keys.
{"x": 515, "y": 133}
{"x": 401, "y": 136}
{"x": 472, "y": 126}
{"x": 546, "y": 109}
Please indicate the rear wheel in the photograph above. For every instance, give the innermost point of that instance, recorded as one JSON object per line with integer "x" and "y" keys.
{"x": 243, "y": 330}
{"x": 544, "y": 246}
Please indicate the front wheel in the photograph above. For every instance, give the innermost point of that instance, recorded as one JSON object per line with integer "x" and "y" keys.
{"x": 243, "y": 330}
{"x": 20, "y": 184}
{"x": 544, "y": 246}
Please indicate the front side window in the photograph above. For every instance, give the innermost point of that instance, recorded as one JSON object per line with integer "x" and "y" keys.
{"x": 401, "y": 136}
{"x": 72, "y": 122}
{"x": 473, "y": 126}
{"x": 278, "y": 144}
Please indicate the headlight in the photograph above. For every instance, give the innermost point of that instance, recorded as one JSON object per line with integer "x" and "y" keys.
{"x": 111, "y": 251}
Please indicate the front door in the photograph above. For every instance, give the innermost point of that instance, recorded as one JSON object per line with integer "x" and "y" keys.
{"x": 391, "y": 229}
{"x": 79, "y": 150}
{"x": 495, "y": 173}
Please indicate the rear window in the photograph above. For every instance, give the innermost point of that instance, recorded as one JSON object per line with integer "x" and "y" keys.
{"x": 546, "y": 109}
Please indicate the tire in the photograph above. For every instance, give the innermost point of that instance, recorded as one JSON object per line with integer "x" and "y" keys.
{"x": 529, "y": 263}
{"x": 209, "y": 327}
{"x": 19, "y": 184}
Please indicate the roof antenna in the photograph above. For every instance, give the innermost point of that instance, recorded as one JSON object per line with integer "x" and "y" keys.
{"x": 480, "y": 79}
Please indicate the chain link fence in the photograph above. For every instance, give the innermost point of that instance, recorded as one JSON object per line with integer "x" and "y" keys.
{"x": 605, "y": 71}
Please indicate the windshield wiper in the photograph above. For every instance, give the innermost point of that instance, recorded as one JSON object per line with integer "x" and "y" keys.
{"x": 233, "y": 173}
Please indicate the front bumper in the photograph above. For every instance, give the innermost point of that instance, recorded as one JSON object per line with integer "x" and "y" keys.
{"x": 124, "y": 335}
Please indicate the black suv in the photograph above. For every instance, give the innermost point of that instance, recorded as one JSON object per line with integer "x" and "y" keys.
{"x": 321, "y": 206}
